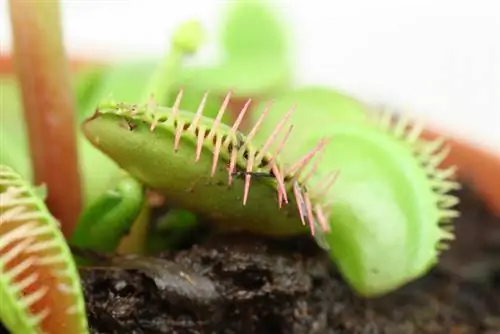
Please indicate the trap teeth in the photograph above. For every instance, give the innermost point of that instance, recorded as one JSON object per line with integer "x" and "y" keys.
{"x": 430, "y": 148}
{"x": 439, "y": 157}
{"x": 442, "y": 246}
{"x": 444, "y": 174}
{"x": 199, "y": 113}
{"x": 443, "y": 187}
{"x": 32, "y": 247}
{"x": 400, "y": 128}
{"x": 297, "y": 168}
{"x": 273, "y": 136}
{"x": 233, "y": 132}
{"x": 449, "y": 214}
{"x": 325, "y": 184}
{"x": 414, "y": 133}
{"x": 430, "y": 154}
{"x": 177, "y": 103}
{"x": 241, "y": 157}
{"x": 314, "y": 216}
{"x": 447, "y": 201}
{"x": 218, "y": 118}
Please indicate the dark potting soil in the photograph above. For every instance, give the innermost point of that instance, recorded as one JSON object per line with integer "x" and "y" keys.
{"x": 242, "y": 284}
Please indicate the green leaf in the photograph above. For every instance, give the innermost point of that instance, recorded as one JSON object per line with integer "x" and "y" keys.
{"x": 173, "y": 228}
{"x": 14, "y": 149}
{"x": 389, "y": 201}
{"x": 121, "y": 81}
{"x": 316, "y": 107}
{"x": 256, "y": 55}
{"x": 87, "y": 84}
{"x": 124, "y": 81}
{"x": 110, "y": 216}
{"x": 252, "y": 28}
{"x": 246, "y": 77}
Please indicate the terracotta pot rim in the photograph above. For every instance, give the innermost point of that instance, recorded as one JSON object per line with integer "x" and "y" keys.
{"x": 75, "y": 63}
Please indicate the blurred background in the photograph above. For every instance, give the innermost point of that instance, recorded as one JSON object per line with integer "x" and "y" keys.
{"x": 436, "y": 59}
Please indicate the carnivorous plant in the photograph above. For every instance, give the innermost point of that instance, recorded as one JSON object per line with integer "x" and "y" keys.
{"x": 391, "y": 198}
{"x": 40, "y": 288}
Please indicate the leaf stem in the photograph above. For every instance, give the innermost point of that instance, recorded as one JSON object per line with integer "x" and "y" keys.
{"x": 49, "y": 106}
{"x": 186, "y": 40}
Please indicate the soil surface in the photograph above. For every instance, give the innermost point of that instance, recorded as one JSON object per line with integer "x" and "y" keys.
{"x": 246, "y": 285}
{"x": 251, "y": 285}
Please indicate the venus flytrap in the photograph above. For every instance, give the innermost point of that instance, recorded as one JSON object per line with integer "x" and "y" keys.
{"x": 185, "y": 40}
{"x": 204, "y": 166}
{"x": 383, "y": 223}
{"x": 391, "y": 199}
{"x": 390, "y": 209}
{"x": 40, "y": 290}
{"x": 116, "y": 83}
{"x": 120, "y": 207}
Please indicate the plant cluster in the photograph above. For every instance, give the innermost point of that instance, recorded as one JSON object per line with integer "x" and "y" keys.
{"x": 205, "y": 142}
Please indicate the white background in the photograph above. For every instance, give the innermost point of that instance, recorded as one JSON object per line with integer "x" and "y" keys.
{"x": 439, "y": 59}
